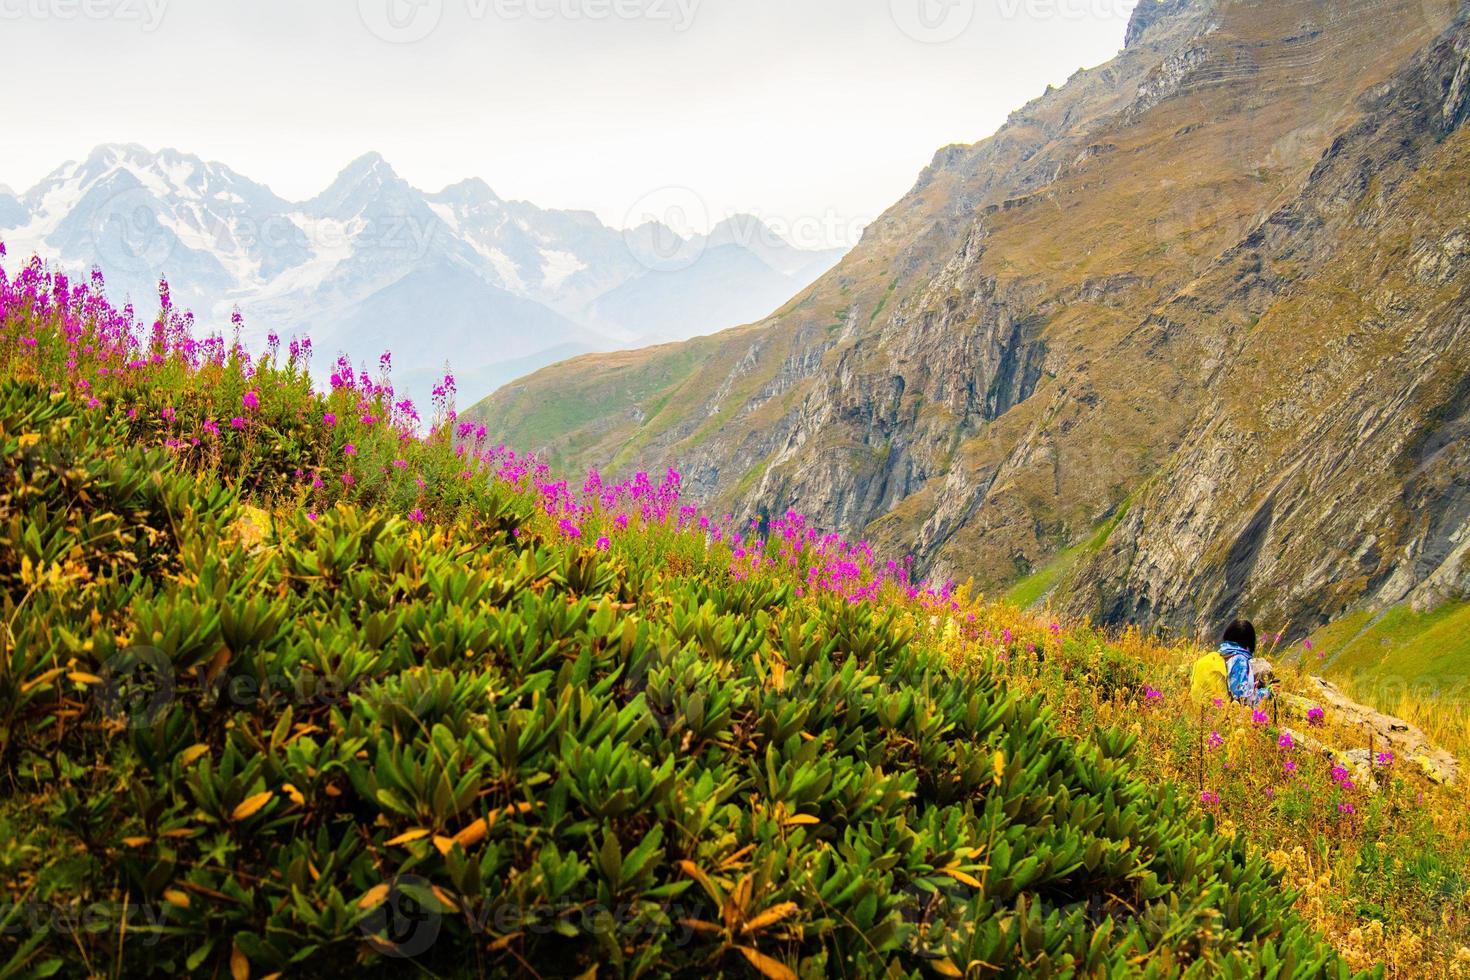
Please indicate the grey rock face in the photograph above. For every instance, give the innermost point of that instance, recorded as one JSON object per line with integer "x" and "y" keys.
{"x": 1348, "y": 483}
{"x": 1147, "y": 14}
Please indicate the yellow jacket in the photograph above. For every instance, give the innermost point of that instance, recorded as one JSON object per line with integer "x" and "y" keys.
{"x": 1209, "y": 681}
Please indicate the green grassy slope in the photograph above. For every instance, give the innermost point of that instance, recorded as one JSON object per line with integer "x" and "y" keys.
{"x": 306, "y": 734}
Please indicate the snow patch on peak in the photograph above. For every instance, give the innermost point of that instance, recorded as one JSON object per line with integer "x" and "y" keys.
{"x": 558, "y": 266}
{"x": 468, "y": 192}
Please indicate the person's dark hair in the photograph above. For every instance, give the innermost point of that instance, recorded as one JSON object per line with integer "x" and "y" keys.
{"x": 1242, "y": 633}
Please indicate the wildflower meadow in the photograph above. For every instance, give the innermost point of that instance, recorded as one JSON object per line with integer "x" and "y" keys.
{"x": 294, "y": 681}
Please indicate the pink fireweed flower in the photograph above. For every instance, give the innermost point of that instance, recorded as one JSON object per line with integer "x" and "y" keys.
{"x": 1285, "y": 742}
{"x": 1210, "y": 798}
{"x": 311, "y": 515}
{"x": 1259, "y": 717}
{"x": 1152, "y": 696}
{"x": 1215, "y": 741}
{"x": 1290, "y": 768}
{"x": 329, "y": 420}
{"x": 347, "y": 479}
{"x": 251, "y": 401}
{"x": 603, "y": 543}
{"x": 349, "y": 450}
{"x": 1316, "y": 717}
{"x": 1385, "y": 759}
{"x": 237, "y": 423}
{"x": 416, "y": 515}
{"x": 1346, "y": 809}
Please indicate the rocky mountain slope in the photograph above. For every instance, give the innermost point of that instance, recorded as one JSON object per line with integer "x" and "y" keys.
{"x": 493, "y": 287}
{"x": 1187, "y": 332}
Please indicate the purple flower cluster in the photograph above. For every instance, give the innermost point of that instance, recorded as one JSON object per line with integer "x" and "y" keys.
{"x": 102, "y": 342}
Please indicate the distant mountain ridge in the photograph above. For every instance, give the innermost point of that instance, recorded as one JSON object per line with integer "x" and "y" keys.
{"x": 460, "y": 277}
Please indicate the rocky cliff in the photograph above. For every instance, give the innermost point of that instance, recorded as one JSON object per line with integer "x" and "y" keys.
{"x": 1206, "y": 293}
{"x": 1328, "y": 462}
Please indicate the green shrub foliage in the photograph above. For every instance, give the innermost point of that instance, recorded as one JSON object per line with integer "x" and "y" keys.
{"x": 361, "y": 742}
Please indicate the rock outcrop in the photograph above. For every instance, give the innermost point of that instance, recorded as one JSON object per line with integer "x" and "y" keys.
{"x": 1147, "y": 14}
{"x": 1212, "y": 292}
{"x": 1385, "y": 742}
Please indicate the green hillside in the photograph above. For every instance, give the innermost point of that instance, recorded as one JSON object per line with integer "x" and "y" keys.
{"x": 292, "y": 687}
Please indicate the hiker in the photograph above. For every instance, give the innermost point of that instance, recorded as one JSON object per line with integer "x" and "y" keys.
{"x": 1241, "y": 669}
{"x": 1233, "y": 673}
{"x": 763, "y": 523}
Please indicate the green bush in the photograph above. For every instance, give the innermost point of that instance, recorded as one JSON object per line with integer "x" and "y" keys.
{"x": 363, "y": 740}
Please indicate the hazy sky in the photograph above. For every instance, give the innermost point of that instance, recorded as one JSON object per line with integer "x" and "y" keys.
{"x": 816, "y": 114}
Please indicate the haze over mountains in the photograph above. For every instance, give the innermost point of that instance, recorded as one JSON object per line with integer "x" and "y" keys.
{"x": 491, "y": 287}
{"x": 1188, "y": 335}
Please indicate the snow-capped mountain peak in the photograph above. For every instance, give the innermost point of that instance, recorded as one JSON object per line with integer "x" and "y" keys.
{"x": 366, "y": 180}
{"x": 495, "y": 287}
{"x": 469, "y": 192}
